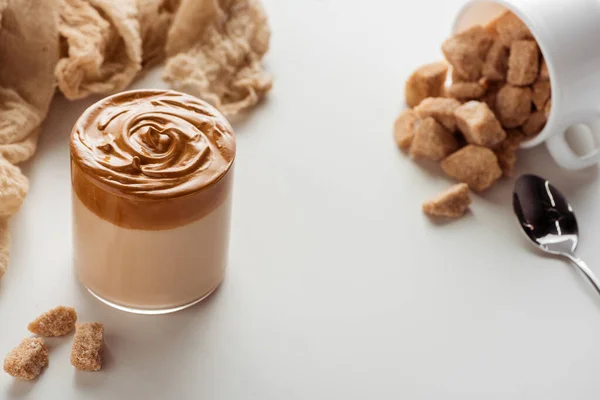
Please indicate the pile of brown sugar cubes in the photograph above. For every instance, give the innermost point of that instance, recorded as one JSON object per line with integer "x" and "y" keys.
{"x": 31, "y": 356}
{"x": 472, "y": 112}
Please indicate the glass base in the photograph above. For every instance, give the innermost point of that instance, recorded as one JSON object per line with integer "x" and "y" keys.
{"x": 158, "y": 311}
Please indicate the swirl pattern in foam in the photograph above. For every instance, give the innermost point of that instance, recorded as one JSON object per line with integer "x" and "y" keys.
{"x": 153, "y": 144}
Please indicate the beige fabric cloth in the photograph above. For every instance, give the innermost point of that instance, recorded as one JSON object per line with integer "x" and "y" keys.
{"x": 215, "y": 49}
{"x": 28, "y": 54}
{"x": 103, "y": 51}
{"x": 13, "y": 188}
{"x": 212, "y": 48}
{"x": 4, "y": 246}
{"x": 155, "y": 18}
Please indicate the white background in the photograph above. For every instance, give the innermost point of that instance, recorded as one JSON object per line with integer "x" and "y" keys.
{"x": 338, "y": 287}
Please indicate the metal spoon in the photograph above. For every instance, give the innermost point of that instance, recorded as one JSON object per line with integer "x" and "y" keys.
{"x": 549, "y": 221}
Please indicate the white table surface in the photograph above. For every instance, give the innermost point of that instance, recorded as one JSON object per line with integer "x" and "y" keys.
{"x": 338, "y": 286}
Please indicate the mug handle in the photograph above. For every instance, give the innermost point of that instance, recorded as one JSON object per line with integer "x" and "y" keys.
{"x": 566, "y": 157}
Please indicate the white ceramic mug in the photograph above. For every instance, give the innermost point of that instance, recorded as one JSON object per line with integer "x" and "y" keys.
{"x": 568, "y": 33}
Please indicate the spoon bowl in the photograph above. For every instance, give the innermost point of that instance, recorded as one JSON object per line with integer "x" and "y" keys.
{"x": 549, "y": 221}
{"x": 545, "y": 215}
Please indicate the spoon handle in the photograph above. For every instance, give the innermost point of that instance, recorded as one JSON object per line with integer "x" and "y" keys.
{"x": 586, "y": 270}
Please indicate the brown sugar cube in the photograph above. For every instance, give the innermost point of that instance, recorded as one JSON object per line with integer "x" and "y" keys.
{"x": 467, "y": 50}
{"x": 490, "y": 100}
{"x": 510, "y": 28}
{"x": 479, "y": 124}
{"x": 451, "y": 203}
{"x": 523, "y": 63}
{"x": 404, "y": 129}
{"x": 496, "y": 62}
{"x": 544, "y": 73}
{"x": 513, "y": 105}
{"x": 535, "y": 123}
{"x": 57, "y": 322}
{"x": 432, "y": 141}
{"x": 466, "y": 90}
{"x": 507, "y": 151}
{"x": 474, "y": 165}
{"x": 541, "y": 94}
{"x": 455, "y": 76}
{"x": 427, "y": 81}
{"x": 491, "y": 93}
{"x": 548, "y": 108}
{"x": 491, "y": 26}
{"x": 86, "y": 354}
{"x": 441, "y": 109}
{"x": 27, "y": 360}
{"x": 514, "y": 138}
